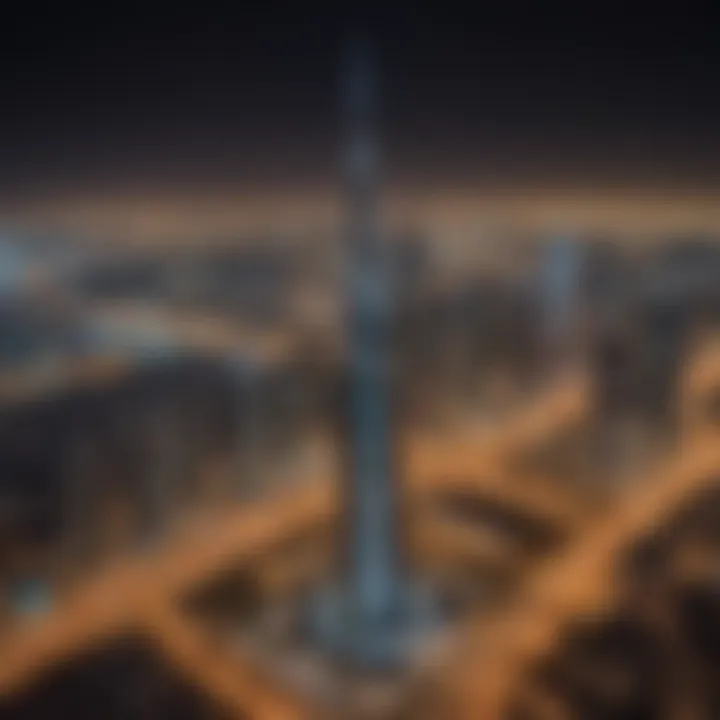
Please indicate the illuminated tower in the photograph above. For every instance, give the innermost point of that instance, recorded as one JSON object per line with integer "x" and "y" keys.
{"x": 372, "y": 614}
{"x": 372, "y": 561}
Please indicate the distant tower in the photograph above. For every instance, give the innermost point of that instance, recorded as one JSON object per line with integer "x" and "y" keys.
{"x": 560, "y": 291}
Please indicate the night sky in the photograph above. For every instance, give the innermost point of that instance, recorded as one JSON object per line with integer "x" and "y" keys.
{"x": 531, "y": 95}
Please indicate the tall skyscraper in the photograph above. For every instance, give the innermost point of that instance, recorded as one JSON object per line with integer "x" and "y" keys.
{"x": 372, "y": 614}
{"x": 372, "y": 562}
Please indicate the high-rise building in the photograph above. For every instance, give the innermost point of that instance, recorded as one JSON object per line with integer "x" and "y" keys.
{"x": 372, "y": 614}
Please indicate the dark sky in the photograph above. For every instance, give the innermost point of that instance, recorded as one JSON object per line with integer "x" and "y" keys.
{"x": 533, "y": 94}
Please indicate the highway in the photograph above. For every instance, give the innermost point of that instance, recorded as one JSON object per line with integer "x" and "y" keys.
{"x": 144, "y": 590}
{"x": 116, "y": 597}
{"x": 578, "y": 583}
